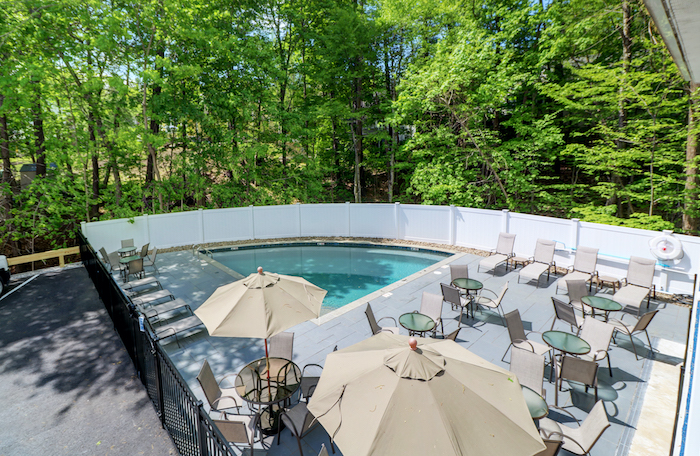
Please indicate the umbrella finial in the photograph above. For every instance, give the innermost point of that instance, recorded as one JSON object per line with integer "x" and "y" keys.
{"x": 413, "y": 343}
{"x": 260, "y": 270}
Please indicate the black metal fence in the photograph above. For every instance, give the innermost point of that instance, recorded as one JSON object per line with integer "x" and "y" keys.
{"x": 180, "y": 412}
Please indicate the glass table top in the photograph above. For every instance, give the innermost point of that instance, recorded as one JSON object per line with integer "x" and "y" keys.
{"x": 255, "y": 386}
{"x": 535, "y": 403}
{"x": 468, "y": 284}
{"x": 566, "y": 342}
{"x": 601, "y": 303}
{"x": 415, "y": 321}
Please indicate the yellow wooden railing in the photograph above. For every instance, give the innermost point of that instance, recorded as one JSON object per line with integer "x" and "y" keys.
{"x": 60, "y": 254}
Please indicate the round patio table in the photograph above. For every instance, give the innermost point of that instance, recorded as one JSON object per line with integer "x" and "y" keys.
{"x": 253, "y": 386}
{"x": 536, "y": 404}
{"x": 607, "y": 305}
{"x": 416, "y": 323}
{"x": 127, "y": 259}
{"x": 566, "y": 342}
{"x": 468, "y": 285}
{"x": 125, "y": 251}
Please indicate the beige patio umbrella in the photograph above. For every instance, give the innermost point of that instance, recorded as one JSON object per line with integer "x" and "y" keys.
{"x": 261, "y": 305}
{"x": 382, "y": 397}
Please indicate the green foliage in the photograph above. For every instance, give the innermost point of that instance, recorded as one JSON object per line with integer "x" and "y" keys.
{"x": 606, "y": 215}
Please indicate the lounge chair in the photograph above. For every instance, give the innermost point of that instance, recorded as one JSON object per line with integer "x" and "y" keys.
{"x": 150, "y": 282}
{"x": 518, "y": 337}
{"x": 219, "y": 399}
{"x": 151, "y": 262}
{"x": 638, "y": 327}
{"x": 598, "y": 334}
{"x": 638, "y": 284}
{"x": 157, "y": 312}
{"x": 541, "y": 261}
{"x": 152, "y": 298}
{"x": 374, "y": 325}
{"x": 431, "y": 305}
{"x": 584, "y": 268}
{"x": 580, "y": 440}
{"x": 492, "y": 303}
{"x": 503, "y": 252}
{"x": 176, "y": 327}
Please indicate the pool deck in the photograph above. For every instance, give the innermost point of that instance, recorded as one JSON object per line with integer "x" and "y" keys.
{"x": 640, "y": 397}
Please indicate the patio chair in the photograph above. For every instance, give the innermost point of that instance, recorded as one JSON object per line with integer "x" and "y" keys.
{"x": 552, "y": 447}
{"x": 144, "y": 251}
{"x": 135, "y": 267}
{"x": 454, "y": 297}
{"x": 309, "y": 380}
{"x": 584, "y": 268}
{"x": 576, "y": 370}
{"x": 637, "y": 285}
{"x": 176, "y": 327}
{"x": 529, "y": 368}
{"x": 127, "y": 243}
{"x": 598, "y": 334}
{"x": 153, "y": 297}
{"x": 518, "y": 337}
{"x": 459, "y": 271}
{"x": 323, "y": 451}
{"x": 281, "y": 345}
{"x": 580, "y": 440}
{"x": 112, "y": 260}
{"x": 431, "y": 305}
{"x": 150, "y": 282}
{"x": 492, "y": 303}
{"x": 577, "y": 289}
{"x": 541, "y": 261}
{"x": 640, "y": 326}
{"x": 453, "y": 335}
{"x": 503, "y": 251}
{"x": 151, "y": 262}
{"x": 374, "y": 325}
{"x": 157, "y": 313}
{"x": 300, "y": 421}
{"x": 219, "y": 399}
{"x": 239, "y": 430}
{"x": 565, "y": 312}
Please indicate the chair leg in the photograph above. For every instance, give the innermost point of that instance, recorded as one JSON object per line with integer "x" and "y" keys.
{"x": 503, "y": 359}
{"x": 609, "y": 367}
{"x": 634, "y": 348}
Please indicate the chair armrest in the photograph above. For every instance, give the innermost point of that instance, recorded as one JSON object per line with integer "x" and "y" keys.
{"x": 532, "y": 348}
{"x": 570, "y": 269}
{"x": 623, "y": 282}
{"x": 559, "y": 409}
{"x": 391, "y": 318}
{"x": 595, "y": 355}
{"x": 234, "y": 399}
{"x": 227, "y": 376}
{"x": 490, "y": 291}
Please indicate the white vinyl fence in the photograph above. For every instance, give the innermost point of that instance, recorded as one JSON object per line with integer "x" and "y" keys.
{"x": 449, "y": 225}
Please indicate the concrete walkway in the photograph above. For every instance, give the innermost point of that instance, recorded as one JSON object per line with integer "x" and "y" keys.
{"x": 67, "y": 385}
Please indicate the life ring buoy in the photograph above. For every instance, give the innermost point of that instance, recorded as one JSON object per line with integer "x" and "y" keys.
{"x": 666, "y": 247}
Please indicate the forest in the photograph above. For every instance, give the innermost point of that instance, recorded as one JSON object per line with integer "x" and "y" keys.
{"x": 566, "y": 108}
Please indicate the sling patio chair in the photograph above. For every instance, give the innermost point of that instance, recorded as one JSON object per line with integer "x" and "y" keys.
{"x": 493, "y": 303}
{"x": 151, "y": 262}
{"x": 576, "y": 370}
{"x": 565, "y": 312}
{"x": 309, "y": 380}
{"x": 144, "y": 251}
{"x": 112, "y": 260}
{"x": 598, "y": 334}
{"x": 637, "y": 285}
{"x": 640, "y": 326}
{"x": 584, "y": 268}
{"x": 374, "y": 325}
{"x": 431, "y": 305}
{"x": 503, "y": 252}
{"x": 240, "y": 430}
{"x": 146, "y": 282}
{"x": 529, "y": 368}
{"x": 300, "y": 421}
{"x": 577, "y": 289}
{"x": 541, "y": 261}
{"x": 518, "y": 336}
{"x": 152, "y": 297}
{"x": 581, "y": 439}
{"x": 453, "y": 335}
{"x": 458, "y": 271}
{"x": 135, "y": 267}
{"x": 158, "y": 312}
{"x": 454, "y": 297}
{"x": 219, "y": 399}
{"x": 175, "y": 328}
{"x": 127, "y": 243}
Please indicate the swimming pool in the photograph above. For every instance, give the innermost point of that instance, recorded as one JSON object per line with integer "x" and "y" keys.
{"x": 347, "y": 272}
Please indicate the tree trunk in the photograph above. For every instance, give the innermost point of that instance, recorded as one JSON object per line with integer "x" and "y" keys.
{"x": 39, "y": 140}
{"x": 5, "y": 201}
{"x": 690, "y": 222}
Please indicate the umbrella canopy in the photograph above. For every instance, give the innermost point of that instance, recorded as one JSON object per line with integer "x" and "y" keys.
{"x": 261, "y": 305}
{"x": 382, "y": 397}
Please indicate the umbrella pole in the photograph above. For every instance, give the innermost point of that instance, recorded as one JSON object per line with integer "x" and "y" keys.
{"x": 267, "y": 361}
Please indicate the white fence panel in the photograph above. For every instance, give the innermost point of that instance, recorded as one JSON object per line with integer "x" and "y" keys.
{"x": 530, "y": 228}
{"x": 477, "y": 228}
{"x": 325, "y": 220}
{"x": 108, "y": 234}
{"x": 373, "y": 220}
{"x": 221, "y": 225}
{"x": 425, "y": 223}
{"x": 173, "y": 230}
{"x": 276, "y": 221}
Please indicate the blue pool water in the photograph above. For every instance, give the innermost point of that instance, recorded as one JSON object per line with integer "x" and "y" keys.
{"x": 347, "y": 273}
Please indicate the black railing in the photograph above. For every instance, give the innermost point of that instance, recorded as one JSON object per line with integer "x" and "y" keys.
{"x": 180, "y": 412}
